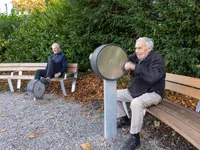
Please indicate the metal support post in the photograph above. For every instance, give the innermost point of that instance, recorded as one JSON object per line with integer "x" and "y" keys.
{"x": 110, "y": 109}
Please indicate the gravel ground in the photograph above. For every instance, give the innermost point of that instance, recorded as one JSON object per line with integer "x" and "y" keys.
{"x": 54, "y": 124}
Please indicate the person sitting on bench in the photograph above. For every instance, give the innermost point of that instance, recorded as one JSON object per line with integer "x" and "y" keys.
{"x": 147, "y": 73}
{"x": 55, "y": 67}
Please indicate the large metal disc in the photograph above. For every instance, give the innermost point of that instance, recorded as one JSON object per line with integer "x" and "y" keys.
{"x": 36, "y": 88}
{"x": 108, "y": 60}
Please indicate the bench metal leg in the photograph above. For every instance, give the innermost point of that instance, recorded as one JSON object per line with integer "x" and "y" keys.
{"x": 63, "y": 87}
{"x": 126, "y": 109}
{"x": 19, "y": 80}
{"x": 198, "y": 106}
{"x": 74, "y": 82}
{"x": 10, "y": 85}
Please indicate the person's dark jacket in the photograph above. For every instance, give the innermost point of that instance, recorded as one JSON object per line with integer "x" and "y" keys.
{"x": 60, "y": 62}
{"x": 148, "y": 76}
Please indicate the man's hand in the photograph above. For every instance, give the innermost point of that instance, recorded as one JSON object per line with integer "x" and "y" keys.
{"x": 57, "y": 75}
{"x": 129, "y": 66}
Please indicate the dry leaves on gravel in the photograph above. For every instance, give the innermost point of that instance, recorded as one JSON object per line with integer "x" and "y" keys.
{"x": 3, "y": 130}
{"x": 85, "y": 146}
{"x": 34, "y": 135}
{"x": 102, "y": 139}
{"x": 3, "y": 115}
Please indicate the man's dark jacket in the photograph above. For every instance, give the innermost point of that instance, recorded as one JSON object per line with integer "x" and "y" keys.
{"x": 148, "y": 76}
{"x": 60, "y": 62}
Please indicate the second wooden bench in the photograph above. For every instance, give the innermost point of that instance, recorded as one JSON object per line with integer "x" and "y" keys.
{"x": 8, "y": 72}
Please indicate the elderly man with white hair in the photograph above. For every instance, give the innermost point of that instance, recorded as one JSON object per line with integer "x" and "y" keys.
{"x": 56, "y": 65}
{"x": 147, "y": 75}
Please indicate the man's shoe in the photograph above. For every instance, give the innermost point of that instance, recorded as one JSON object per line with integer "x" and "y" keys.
{"x": 123, "y": 122}
{"x": 45, "y": 80}
{"x": 133, "y": 143}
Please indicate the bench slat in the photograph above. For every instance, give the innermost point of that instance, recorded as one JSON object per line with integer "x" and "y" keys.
{"x": 4, "y": 76}
{"x": 72, "y": 70}
{"x": 182, "y": 110}
{"x": 179, "y": 116}
{"x": 186, "y": 131}
{"x": 21, "y": 68}
{"x": 25, "y": 77}
{"x": 194, "y": 82}
{"x": 22, "y": 64}
{"x": 32, "y": 69}
{"x": 183, "y": 89}
{"x": 73, "y": 67}
{"x": 30, "y": 77}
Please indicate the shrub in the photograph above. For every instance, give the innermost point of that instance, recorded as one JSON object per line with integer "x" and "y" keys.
{"x": 81, "y": 26}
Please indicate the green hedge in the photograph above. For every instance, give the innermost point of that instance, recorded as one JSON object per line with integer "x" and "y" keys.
{"x": 8, "y": 24}
{"x": 82, "y": 26}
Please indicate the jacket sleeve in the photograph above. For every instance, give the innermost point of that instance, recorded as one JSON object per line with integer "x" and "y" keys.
{"x": 132, "y": 58}
{"x": 153, "y": 72}
{"x": 64, "y": 64}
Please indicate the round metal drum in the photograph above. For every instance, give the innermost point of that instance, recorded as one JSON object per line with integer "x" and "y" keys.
{"x": 108, "y": 60}
{"x": 36, "y": 88}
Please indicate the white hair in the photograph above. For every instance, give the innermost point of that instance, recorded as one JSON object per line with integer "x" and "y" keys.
{"x": 55, "y": 45}
{"x": 148, "y": 41}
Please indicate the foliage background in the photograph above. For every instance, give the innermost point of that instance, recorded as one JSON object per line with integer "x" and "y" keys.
{"x": 81, "y": 26}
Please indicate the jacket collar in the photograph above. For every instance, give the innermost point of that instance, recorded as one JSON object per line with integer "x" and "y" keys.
{"x": 146, "y": 58}
{"x": 58, "y": 53}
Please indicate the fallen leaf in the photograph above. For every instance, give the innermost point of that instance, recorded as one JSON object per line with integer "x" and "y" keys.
{"x": 3, "y": 130}
{"x": 97, "y": 116}
{"x": 51, "y": 117}
{"x": 89, "y": 117}
{"x": 3, "y": 115}
{"x": 126, "y": 130}
{"x": 8, "y": 106}
{"x": 102, "y": 139}
{"x": 142, "y": 134}
{"x": 156, "y": 123}
{"x": 85, "y": 146}
{"x": 173, "y": 133}
{"x": 32, "y": 136}
{"x": 17, "y": 98}
{"x": 41, "y": 132}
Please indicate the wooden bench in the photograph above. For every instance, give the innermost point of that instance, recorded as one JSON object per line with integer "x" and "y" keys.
{"x": 19, "y": 68}
{"x": 183, "y": 120}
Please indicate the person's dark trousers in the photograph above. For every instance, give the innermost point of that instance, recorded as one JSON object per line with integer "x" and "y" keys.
{"x": 51, "y": 69}
{"x": 40, "y": 73}
{"x": 49, "y": 72}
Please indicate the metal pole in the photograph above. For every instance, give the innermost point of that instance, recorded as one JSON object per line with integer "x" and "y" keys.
{"x": 110, "y": 109}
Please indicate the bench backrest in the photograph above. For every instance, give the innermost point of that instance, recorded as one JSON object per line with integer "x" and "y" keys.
{"x": 73, "y": 67}
{"x": 183, "y": 84}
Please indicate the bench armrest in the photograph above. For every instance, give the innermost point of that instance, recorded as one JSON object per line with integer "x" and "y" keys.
{"x": 74, "y": 74}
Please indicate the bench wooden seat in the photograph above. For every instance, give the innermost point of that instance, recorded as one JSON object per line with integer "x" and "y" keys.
{"x": 183, "y": 120}
{"x": 19, "y": 68}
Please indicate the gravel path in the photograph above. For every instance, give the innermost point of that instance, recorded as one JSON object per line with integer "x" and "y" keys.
{"x": 54, "y": 124}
